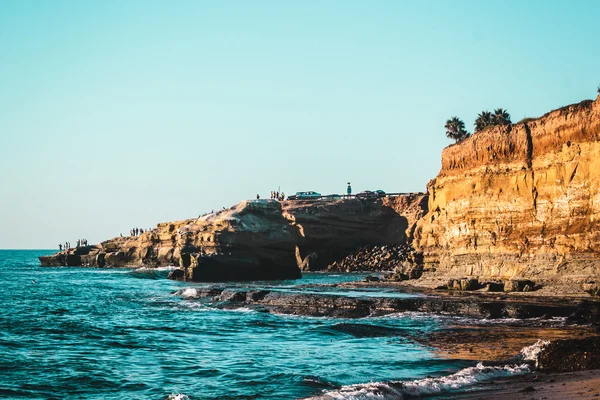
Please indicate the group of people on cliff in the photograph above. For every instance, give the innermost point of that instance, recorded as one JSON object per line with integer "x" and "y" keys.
{"x": 278, "y": 196}
{"x": 67, "y": 245}
{"x": 136, "y": 231}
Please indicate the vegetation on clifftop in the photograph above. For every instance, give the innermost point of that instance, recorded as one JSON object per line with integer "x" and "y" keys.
{"x": 486, "y": 119}
{"x": 455, "y": 129}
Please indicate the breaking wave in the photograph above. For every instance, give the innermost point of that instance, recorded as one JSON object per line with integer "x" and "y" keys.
{"x": 531, "y": 353}
{"x": 152, "y": 273}
{"x": 421, "y": 387}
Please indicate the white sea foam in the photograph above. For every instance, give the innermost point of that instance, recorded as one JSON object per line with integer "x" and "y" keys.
{"x": 531, "y": 353}
{"x": 165, "y": 268}
{"x": 188, "y": 293}
{"x": 421, "y": 387}
{"x": 177, "y": 396}
{"x": 242, "y": 309}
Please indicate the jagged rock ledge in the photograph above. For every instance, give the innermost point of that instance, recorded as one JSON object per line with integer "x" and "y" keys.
{"x": 258, "y": 239}
{"x": 331, "y": 305}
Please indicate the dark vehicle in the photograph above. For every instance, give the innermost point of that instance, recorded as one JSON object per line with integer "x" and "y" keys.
{"x": 380, "y": 193}
{"x": 305, "y": 196}
{"x": 366, "y": 195}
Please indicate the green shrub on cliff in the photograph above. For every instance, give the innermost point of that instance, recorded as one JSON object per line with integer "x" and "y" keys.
{"x": 486, "y": 119}
{"x": 501, "y": 117}
{"x": 455, "y": 129}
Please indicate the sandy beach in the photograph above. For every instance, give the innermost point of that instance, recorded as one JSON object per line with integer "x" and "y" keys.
{"x": 580, "y": 385}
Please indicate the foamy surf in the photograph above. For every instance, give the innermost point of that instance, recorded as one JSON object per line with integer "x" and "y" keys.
{"x": 421, "y": 387}
{"x": 177, "y": 396}
{"x": 188, "y": 293}
{"x": 531, "y": 353}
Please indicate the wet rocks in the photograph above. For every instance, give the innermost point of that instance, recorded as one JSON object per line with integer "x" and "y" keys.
{"x": 570, "y": 355}
{"x": 372, "y": 258}
{"x": 469, "y": 284}
{"x": 329, "y": 305}
{"x": 176, "y": 274}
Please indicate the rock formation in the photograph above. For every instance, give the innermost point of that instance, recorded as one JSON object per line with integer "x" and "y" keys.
{"x": 258, "y": 239}
{"x": 513, "y": 208}
{"x": 518, "y": 201}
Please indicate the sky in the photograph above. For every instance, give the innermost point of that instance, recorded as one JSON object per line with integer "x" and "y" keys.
{"x": 121, "y": 114}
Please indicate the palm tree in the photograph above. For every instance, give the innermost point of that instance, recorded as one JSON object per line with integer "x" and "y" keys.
{"x": 501, "y": 117}
{"x": 455, "y": 129}
{"x": 484, "y": 119}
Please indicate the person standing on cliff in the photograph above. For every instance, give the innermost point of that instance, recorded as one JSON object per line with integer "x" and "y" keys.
{"x": 59, "y": 247}
{"x": 349, "y": 190}
{"x": 257, "y": 196}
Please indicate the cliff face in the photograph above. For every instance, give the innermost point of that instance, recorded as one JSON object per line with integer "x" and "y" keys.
{"x": 520, "y": 201}
{"x": 262, "y": 239}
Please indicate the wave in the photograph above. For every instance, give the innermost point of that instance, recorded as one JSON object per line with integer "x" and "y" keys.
{"x": 531, "y": 353}
{"x": 187, "y": 293}
{"x": 422, "y": 387}
{"x": 152, "y": 273}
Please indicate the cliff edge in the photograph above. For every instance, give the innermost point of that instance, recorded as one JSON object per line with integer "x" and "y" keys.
{"x": 518, "y": 202}
{"x": 257, "y": 239}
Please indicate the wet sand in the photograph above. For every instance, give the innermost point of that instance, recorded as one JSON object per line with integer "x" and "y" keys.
{"x": 495, "y": 342}
{"x": 565, "y": 386}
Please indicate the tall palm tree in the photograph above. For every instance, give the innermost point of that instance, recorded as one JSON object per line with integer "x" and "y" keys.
{"x": 455, "y": 129}
{"x": 484, "y": 119}
{"x": 501, "y": 117}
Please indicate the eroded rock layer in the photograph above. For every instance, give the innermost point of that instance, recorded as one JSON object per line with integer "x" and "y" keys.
{"x": 259, "y": 239}
{"x": 520, "y": 201}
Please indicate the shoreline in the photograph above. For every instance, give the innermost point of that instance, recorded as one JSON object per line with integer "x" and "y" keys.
{"x": 536, "y": 385}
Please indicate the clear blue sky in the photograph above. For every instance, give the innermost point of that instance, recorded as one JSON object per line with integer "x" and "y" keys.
{"x": 117, "y": 114}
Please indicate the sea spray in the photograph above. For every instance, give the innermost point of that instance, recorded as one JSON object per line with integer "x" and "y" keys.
{"x": 532, "y": 353}
{"x": 427, "y": 386}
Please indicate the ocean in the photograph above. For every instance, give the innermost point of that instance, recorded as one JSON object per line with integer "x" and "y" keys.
{"x": 95, "y": 333}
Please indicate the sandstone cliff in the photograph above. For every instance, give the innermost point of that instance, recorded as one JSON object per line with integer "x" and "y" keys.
{"x": 520, "y": 201}
{"x": 259, "y": 239}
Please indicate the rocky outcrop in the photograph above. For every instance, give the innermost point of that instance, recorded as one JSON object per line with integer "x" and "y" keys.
{"x": 570, "y": 355}
{"x": 372, "y": 258}
{"x": 331, "y": 230}
{"x": 518, "y": 202}
{"x": 258, "y": 239}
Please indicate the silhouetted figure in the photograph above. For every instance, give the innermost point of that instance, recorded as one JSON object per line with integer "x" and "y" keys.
{"x": 78, "y": 242}
{"x": 60, "y": 247}
{"x": 257, "y": 196}
{"x": 349, "y": 189}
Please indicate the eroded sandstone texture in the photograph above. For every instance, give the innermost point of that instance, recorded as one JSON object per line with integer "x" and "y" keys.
{"x": 520, "y": 201}
{"x": 260, "y": 239}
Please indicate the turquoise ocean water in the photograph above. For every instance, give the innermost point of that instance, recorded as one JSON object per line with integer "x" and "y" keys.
{"x": 92, "y": 333}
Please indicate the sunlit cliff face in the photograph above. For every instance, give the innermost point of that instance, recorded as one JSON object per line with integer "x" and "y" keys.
{"x": 519, "y": 201}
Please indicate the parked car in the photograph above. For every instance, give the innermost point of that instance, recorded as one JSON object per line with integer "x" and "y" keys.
{"x": 304, "y": 196}
{"x": 380, "y": 193}
{"x": 308, "y": 195}
{"x": 366, "y": 195}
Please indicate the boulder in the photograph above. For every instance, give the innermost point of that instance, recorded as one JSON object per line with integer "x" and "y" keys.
{"x": 592, "y": 288}
{"x": 519, "y": 286}
{"x": 176, "y": 274}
